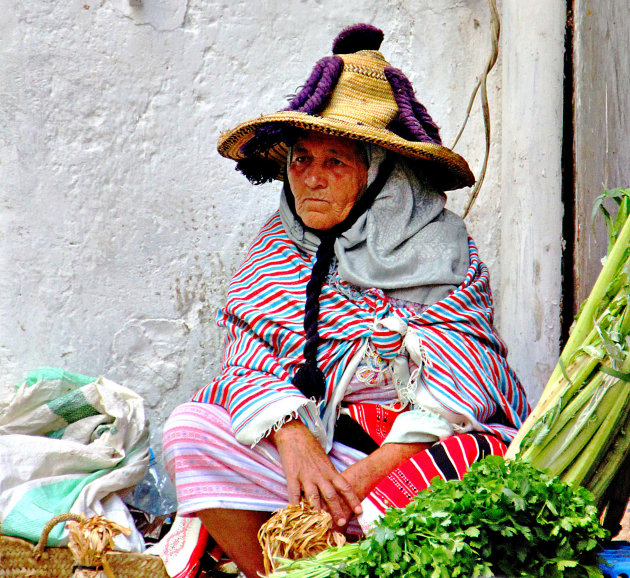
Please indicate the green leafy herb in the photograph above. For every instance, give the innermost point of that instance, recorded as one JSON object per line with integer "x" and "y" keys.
{"x": 505, "y": 518}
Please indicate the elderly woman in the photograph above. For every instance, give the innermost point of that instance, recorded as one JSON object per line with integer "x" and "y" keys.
{"x": 360, "y": 359}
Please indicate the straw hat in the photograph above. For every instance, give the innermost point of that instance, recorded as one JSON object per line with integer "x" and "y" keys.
{"x": 356, "y": 94}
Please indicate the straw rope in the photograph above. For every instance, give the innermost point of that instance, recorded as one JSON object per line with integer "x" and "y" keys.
{"x": 495, "y": 31}
{"x": 89, "y": 540}
{"x": 297, "y": 531}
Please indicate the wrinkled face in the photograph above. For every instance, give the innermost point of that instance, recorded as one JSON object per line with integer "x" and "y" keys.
{"x": 327, "y": 175}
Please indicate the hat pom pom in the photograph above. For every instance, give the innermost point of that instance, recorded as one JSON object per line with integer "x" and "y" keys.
{"x": 358, "y": 37}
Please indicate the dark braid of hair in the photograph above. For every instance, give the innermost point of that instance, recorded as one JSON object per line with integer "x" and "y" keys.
{"x": 309, "y": 378}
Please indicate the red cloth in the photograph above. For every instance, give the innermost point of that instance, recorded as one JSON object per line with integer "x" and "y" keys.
{"x": 376, "y": 420}
{"x": 447, "y": 459}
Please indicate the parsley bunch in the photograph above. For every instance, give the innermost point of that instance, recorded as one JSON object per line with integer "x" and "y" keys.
{"x": 504, "y": 518}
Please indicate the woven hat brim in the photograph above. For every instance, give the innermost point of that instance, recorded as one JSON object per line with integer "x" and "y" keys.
{"x": 447, "y": 169}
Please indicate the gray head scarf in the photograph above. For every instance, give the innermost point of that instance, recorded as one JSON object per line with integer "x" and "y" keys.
{"x": 406, "y": 243}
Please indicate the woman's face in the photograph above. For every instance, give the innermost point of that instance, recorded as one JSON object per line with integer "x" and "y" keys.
{"x": 327, "y": 175}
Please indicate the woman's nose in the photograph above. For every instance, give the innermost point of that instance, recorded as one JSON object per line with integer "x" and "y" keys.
{"x": 314, "y": 176}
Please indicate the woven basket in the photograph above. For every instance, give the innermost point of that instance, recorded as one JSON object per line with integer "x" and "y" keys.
{"x": 20, "y": 558}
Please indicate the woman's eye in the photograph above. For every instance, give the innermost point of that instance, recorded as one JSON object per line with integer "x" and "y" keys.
{"x": 336, "y": 162}
{"x": 299, "y": 159}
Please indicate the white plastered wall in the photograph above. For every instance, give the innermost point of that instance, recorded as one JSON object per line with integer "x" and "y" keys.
{"x": 120, "y": 225}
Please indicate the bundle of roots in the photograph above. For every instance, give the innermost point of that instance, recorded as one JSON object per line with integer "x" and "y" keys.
{"x": 294, "y": 532}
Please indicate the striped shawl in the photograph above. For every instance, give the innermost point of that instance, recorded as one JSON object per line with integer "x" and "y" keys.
{"x": 463, "y": 370}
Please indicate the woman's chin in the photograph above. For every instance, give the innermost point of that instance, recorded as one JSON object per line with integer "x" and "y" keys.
{"x": 319, "y": 222}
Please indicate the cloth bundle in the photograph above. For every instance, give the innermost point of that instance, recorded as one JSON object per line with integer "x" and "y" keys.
{"x": 68, "y": 443}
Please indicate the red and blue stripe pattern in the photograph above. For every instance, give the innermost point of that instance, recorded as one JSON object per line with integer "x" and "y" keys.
{"x": 466, "y": 367}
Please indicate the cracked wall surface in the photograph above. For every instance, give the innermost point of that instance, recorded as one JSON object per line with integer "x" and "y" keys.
{"x": 120, "y": 223}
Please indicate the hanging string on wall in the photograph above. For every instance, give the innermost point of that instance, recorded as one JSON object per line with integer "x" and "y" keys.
{"x": 481, "y": 87}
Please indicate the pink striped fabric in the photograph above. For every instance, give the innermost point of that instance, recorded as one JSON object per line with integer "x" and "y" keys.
{"x": 212, "y": 470}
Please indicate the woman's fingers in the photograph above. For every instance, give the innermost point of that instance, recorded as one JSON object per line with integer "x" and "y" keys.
{"x": 341, "y": 501}
{"x": 349, "y": 495}
{"x": 294, "y": 490}
{"x": 335, "y": 503}
{"x": 310, "y": 473}
{"x": 320, "y": 488}
{"x": 312, "y": 495}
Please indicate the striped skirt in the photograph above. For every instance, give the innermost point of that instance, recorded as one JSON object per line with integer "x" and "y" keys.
{"x": 213, "y": 470}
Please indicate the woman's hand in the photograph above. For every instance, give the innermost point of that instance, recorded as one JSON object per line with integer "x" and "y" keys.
{"x": 365, "y": 474}
{"x": 310, "y": 473}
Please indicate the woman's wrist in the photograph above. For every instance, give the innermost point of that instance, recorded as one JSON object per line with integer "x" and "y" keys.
{"x": 396, "y": 453}
{"x": 365, "y": 474}
{"x": 287, "y": 431}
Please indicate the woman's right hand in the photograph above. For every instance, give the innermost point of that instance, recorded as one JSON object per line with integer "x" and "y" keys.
{"x": 310, "y": 473}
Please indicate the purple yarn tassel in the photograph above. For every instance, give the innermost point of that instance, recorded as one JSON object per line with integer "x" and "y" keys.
{"x": 413, "y": 117}
{"x": 319, "y": 87}
{"x": 265, "y": 137}
{"x": 358, "y": 37}
{"x": 297, "y": 100}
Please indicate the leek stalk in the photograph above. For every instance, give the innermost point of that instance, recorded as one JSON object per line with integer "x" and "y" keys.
{"x": 574, "y": 437}
{"x": 600, "y": 442}
{"x": 585, "y": 329}
{"x": 609, "y": 466}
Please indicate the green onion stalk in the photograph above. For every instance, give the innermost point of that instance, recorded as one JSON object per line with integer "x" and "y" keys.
{"x": 330, "y": 562}
{"x": 580, "y": 428}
